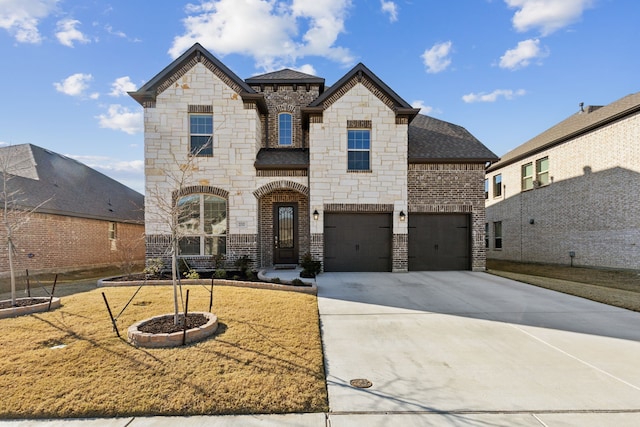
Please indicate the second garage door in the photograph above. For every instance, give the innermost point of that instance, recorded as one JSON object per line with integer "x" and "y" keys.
{"x": 439, "y": 242}
{"x": 357, "y": 242}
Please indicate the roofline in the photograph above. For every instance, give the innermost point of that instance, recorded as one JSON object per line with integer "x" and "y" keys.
{"x": 45, "y": 211}
{"x": 566, "y": 138}
{"x": 420, "y": 160}
{"x": 148, "y": 91}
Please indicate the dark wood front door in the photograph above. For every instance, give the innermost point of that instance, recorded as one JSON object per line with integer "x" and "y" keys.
{"x": 285, "y": 233}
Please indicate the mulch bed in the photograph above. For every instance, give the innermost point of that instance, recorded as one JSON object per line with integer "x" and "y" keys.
{"x": 165, "y": 325}
{"x": 25, "y": 302}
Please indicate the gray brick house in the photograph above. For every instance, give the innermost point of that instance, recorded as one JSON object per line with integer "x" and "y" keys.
{"x": 571, "y": 194}
{"x": 281, "y": 165}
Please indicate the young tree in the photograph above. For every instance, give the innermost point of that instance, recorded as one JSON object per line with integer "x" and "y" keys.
{"x": 16, "y": 210}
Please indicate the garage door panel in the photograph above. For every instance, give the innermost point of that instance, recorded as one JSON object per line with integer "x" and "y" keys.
{"x": 357, "y": 242}
{"x": 439, "y": 242}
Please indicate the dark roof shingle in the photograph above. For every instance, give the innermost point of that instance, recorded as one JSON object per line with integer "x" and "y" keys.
{"x": 282, "y": 158}
{"x": 433, "y": 140}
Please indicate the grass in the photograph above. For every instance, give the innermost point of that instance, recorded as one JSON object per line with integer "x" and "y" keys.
{"x": 266, "y": 358}
{"x": 620, "y": 288}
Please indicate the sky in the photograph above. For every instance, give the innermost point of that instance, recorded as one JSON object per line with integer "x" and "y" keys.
{"x": 506, "y": 70}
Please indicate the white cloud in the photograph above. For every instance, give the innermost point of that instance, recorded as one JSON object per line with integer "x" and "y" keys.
{"x": 123, "y": 119}
{"x": 307, "y": 69}
{"x": 437, "y": 59}
{"x": 74, "y": 85}
{"x": 21, "y": 18}
{"x": 546, "y": 15}
{"x": 522, "y": 55}
{"x": 121, "y": 86}
{"x": 67, "y": 32}
{"x": 493, "y": 96}
{"x": 424, "y": 109}
{"x": 391, "y": 8}
{"x": 221, "y": 26}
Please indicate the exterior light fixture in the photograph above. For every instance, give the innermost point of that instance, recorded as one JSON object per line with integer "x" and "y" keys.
{"x": 403, "y": 216}
{"x": 316, "y": 214}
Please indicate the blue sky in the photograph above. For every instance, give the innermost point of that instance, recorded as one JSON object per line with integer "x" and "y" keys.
{"x": 504, "y": 69}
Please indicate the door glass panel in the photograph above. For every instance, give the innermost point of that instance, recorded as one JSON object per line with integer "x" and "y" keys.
{"x": 285, "y": 227}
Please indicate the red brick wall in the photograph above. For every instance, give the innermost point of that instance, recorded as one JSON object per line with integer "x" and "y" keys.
{"x": 55, "y": 243}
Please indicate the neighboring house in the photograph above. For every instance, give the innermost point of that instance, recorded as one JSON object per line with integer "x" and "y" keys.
{"x": 80, "y": 218}
{"x": 571, "y": 194}
{"x": 280, "y": 166}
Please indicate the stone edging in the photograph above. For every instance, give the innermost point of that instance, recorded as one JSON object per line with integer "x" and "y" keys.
{"x": 284, "y": 286}
{"x": 147, "y": 340}
{"x": 34, "y": 308}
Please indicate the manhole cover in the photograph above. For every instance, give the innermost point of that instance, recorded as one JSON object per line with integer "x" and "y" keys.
{"x": 361, "y": 383}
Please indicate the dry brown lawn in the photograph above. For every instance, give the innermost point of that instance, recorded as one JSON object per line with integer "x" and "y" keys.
{"x": 265, "y": 358}
{"x": 620, "y": 288}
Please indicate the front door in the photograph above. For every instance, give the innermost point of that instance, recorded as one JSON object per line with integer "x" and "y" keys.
{"x": 285, "y": 233}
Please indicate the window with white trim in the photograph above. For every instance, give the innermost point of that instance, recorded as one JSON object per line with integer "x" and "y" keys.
{"x": 527, "y": 176}
{"x": 497, "y": 185}
{"x": 285, "y": 129}
{"x": 201, "y": 134}
{"x": 202, "y": 224}
{"x": 359, "y": 150}
{"x": 542, "y": 171}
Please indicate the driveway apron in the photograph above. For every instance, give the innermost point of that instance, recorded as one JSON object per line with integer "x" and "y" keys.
{"x": 465, "y": 344}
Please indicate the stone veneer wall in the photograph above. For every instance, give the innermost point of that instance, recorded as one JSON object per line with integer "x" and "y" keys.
{"x": 452, "y": 188}
{"x": 590, "y": 207}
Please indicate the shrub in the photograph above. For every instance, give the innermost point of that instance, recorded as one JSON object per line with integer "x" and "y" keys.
{"x": 243, "y": 264}
{"x": 310, "y": 267}
{"x": 191, "y": 274}
{"x": 220, "y": 274}
{"x": 276, "y": 280}
{"x": 250, "y": 275}
{"x": 297, "y": 282}
{"x": 218, "y": 261}
{"x": 154, "y": 267}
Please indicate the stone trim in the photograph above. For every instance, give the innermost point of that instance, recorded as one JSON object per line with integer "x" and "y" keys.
{"x": 446, "y": 166}
{"x": 176, "y": 75}
{"x": 284, "y": 172}
{"x": 354, "y": 207}
{"x": 315, "y": 118}
{"x": 207, "y": 109}
{"x": 366, "y": 82}
{"x": 439, "y": 208}
{"x": 359, "y": 124}
{"x": 281, "y": 185}
{"x": 218, "y": 73}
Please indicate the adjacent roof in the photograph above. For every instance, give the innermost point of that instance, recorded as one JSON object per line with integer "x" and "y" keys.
{"x": 286, "y": 76}
{"x": 282, "y": 158}
{"x": 578, "y": 124}
{"x": 56, "y": 184}
{"x": 185, "y": 62}
{"x": 433, "y": 140}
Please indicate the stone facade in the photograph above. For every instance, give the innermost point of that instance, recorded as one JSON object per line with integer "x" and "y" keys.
{"x": 590, "y": 207}
{"x": 245, "y": 118}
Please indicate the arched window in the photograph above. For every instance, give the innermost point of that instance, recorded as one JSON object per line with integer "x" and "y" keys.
{"x": 285, "y": 129}
{"x": 202, "y": 224}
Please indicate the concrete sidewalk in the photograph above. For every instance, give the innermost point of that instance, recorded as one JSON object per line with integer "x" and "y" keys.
{"x": 456, "y": 349}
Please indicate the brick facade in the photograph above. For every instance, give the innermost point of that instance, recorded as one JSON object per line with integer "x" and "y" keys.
{"x": 590, "y": 207}
{"x": 57, "y": 244}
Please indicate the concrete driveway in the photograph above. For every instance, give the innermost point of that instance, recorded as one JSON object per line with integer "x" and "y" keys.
{"x": 472, "y": 349}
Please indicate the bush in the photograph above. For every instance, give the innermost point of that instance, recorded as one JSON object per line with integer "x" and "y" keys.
{"x": 310, "y": 267}
{"x": 220, "y": 274}
{"x": 297, "y": 282}
{"x": 154, "y": 267}
{"x": 243, "y": 264}
{"x": 191, "y": 274}
{"x": 276, "y": 280}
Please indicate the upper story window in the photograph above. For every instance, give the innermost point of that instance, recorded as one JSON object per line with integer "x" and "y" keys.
{"x": 486, "y": 188}
{"x": 542, "y": 171}
{"x": 497, "y": 185}
{"x": 285, "y": 129}
{"x": 201, "y": 134}
{"x": 359, "y": 150}
{"x": 202, "y": 224}
{"x": 527, "y": 176}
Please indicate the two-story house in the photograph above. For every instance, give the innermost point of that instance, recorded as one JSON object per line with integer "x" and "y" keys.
{"x": 279, "y": 165}
{"x": 570, "y": 195}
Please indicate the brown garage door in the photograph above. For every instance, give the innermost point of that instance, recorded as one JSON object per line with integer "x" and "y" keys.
{"x": 439, "y": 242}
{"x": 357, "y": 242}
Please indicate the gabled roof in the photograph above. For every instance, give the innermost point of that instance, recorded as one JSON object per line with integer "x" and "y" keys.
{"x": 432, "y": 140}
{"x": 56, "y": 184}
{"x": 282, "y": 158}
{"x": 360, "y": 73}
{"x": 285, "y": 76}
{"x": 184, "y": 63}
{"x": 578, "y": 124}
